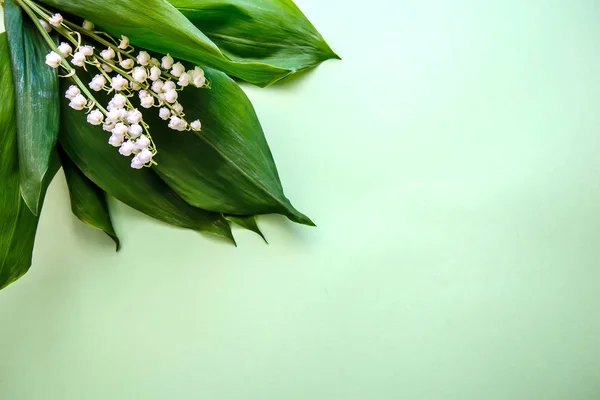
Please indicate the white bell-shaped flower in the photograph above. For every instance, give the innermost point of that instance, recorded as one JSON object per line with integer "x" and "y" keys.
{"x": 78, "y": 59}
{"x": 198, "y": 78}
{"x": 78, "y": 102}
{"x": 72, "y": 91}
{"x": 86, "y": 50}
{"x": 53, "y": 59}
{"x": 107, "y": 68}
{"x": 164, "y": 113}
{"x": 134, "y": 116}
{"x": 127, "y": 63}
{"x": 155, "y": 73}
{"x": 98, "y": 83}
{"x": 108, "y": 54}
{"x": 171, "y": 96}
{"x": 178, "y": 108}
{"x": 140, "y": 74}
{"x": 115, "y": 140}
{"x": 142, "y": 142}
{"x": 196, "y": 125}
{"x": 124, "y": 43}
{"x": 65, "y": 49}
{"x": 184, "y": 79}
{"x": 136, "y": 163}
{"x": 109, "y": 126}
{"x": 145, "y": 156}
{"x": 47, "y": 27}
{"x": 143, "y": 58}
{"x": 56, "y": 20}
{"x": 147, "y": 102}
{"x": 127, "y": 148}
{"x": 95, "y": 117}
{"x": 167, "y": 62}
{"x": 120, "y": 129}
{"x": 157, "y": 87}
{"x": 178, "y": 69}
{"x": 119, "y": 83}
{"x": 135, "y": 130}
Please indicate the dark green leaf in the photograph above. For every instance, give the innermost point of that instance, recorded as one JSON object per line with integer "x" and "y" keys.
{"x": 88, "y": 201}
{"x": 227, "y": 167}
{"x": 248, "y": 222}
{"x": 157, "y": 25}
{"x": 87, "y": 146}
{"x": 274, "y": 32}
{"x": 37, "y": 106}
{"x": 17, "y": 223}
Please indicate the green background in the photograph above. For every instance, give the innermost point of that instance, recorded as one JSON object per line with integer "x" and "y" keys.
{"x": 451, "y": 161}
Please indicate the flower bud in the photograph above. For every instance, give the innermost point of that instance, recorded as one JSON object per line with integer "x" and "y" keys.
{"x": 53, "y": 59}
{"x": 65, "y": 49}
{"x": 88, "y": 25}
{"x": 198, "y": 78}
{"x": 107, "y": 68}
{"x": 154, "y": 62}
{"x": 95, "y": 117}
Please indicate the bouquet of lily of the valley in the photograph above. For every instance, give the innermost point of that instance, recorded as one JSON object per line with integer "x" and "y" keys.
{"x": 135, "y": 99}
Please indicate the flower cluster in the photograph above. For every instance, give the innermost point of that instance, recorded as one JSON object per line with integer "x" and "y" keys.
{"x": 127, "y": 77}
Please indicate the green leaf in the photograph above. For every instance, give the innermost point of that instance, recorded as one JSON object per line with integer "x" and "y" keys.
{"x": 88, "y": 201}
{"x": 17, "y": 223}
{"x": 227, "y": 167}
{"x": 37, "y": 106}
{"x": 274, "y": 32}
{"x": 157, "y": 25}
{"x": 248, "y": 222}
{"x": 87, "y": 146}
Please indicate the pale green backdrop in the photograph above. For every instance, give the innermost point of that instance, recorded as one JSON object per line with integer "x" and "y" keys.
{"x": 452, "y": 163}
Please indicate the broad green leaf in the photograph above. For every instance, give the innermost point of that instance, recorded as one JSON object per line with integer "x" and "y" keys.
{"x": 274, "y": 32}
{"x": 17, "y": 223}
{"x": 88, "y": 201}
{"x": 37, "y": 105}
{"x": 87, "y": 146}
{"x": 157, "y": 25}
{"x": 227, "y": 167}
{"x": 248, "y": 222}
